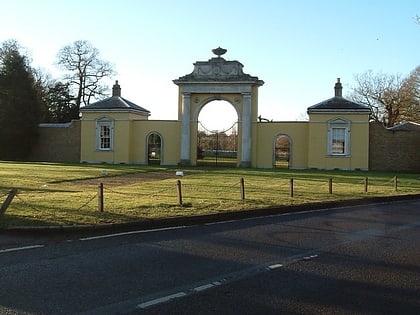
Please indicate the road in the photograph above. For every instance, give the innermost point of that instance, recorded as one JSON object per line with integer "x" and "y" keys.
{"x": 349, "y": 260}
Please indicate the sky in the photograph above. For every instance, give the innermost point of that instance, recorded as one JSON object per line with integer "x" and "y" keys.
{"x": 298, "y": 48}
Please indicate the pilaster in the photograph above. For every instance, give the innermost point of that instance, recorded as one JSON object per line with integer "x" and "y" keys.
{"x": 185, "y": 129}
{"x": 246, "y": 131}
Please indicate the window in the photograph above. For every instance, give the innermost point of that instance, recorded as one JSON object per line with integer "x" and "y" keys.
{"x": 105, "y": 138}
{"x": 338, "y": 142}
{"x": 339, "y": 137}
{"x": 104, "y": 134}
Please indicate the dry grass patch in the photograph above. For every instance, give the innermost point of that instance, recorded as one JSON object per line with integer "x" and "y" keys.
{"x": 60, "y": 194}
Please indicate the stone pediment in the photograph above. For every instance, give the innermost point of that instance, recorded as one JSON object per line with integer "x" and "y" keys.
{"x": 218, "y": 69}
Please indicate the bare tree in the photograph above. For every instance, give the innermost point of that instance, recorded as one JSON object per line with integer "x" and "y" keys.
{"x": 411, "y": 87}
{"x": 388, "y": 96}
{"x": 85, "y": 71}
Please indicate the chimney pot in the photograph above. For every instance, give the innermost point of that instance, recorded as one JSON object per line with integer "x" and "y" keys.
{"x": 116, "y": 89}
{"x": 338, "y": 88}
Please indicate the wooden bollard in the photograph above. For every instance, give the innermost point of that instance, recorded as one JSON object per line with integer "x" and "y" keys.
{"x": 366, "y": 184}
{"x": 395, "y": 183}
{"x": 291, "y": 188}
{"x": 179, "y": 188}
{"x": 8, "y": 201}
{"x": 101, "y": 197}
{"x": 242, "y": 182}
{"x": 330, "y": 189}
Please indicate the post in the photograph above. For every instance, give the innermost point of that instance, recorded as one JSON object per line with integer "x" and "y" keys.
{"x": 366, "y": 184}
{"x": 395, "y": 183}
{"x": 8, "y": 201}
{"x": 330, "y": 185}
{"x": 291, "y": 187}
{"x": 178, "y": 184}
{"x": 101, "y": 197}
{"x": 242, "y": 188}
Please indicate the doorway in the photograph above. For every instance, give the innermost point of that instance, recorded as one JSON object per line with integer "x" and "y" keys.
{"x": 217, "y": 135}
{"x": 282, "y": 151}
{"x": 154, "y": 148}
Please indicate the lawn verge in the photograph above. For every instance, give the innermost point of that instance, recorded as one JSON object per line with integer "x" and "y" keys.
{"x": 158, "y": 223}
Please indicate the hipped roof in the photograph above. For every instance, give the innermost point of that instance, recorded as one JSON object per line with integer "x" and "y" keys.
{"x": 115, "y": 103}
{"x": 338, "y": 103}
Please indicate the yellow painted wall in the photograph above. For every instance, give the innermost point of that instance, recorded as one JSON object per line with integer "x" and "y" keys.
{"x": 88, "y": 138}
{"x": 267, "y": 132}
{"x": 169, "y": 130}
{"x": 308, "y": 147}
{"x": 121, "y": 138}
{"x": 129, "y": 139}
{"x": 318, "y": 142}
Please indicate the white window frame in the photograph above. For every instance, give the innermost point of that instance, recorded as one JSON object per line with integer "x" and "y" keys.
{"x": 334, "y": 126}
{"x": 101, "y": 124}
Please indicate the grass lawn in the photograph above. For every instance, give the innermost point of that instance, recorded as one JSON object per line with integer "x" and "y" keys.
{"x": 63, "y": 194}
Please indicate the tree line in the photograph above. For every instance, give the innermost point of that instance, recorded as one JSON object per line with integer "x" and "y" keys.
{"x": 392, "y": 98}
{"x": 30, "y": 96}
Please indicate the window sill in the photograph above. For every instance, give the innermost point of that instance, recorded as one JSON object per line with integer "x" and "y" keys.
{"x": 339, "y": 155}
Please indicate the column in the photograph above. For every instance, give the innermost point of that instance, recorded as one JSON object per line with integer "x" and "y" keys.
{"x": 246, "y": 131}
{"x": 185, "y": 129}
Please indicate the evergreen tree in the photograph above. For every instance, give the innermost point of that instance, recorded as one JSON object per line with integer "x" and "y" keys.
{"x": 60, "y": 106}
{"x": 19, "y": 104}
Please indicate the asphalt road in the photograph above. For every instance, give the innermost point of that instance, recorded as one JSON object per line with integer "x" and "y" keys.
{"x": 349, "y": 260}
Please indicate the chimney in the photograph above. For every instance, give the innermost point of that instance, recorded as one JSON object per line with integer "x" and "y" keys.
{"x": 338, "y": 89}
{"x": 116, "y": 89}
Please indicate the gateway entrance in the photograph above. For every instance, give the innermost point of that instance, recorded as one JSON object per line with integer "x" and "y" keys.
{"x": 217, "y": 79}
{"x": 217, "y": 135}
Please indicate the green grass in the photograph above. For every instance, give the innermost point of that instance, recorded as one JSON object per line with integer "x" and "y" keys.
{"x": 62, "y": 194}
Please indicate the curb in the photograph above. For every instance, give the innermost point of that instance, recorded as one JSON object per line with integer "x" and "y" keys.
{"x": 200, "y": 219}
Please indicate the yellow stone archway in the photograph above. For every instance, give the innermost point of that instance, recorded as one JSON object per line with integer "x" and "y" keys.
{"x": 217, "y": 79}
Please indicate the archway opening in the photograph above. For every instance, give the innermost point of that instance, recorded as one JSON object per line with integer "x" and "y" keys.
{"x": 217, "y": 135}
{"x": 282, "y": 152}
{"x": 154, "y": 148}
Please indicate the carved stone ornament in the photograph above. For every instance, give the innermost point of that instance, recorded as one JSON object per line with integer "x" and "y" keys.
{"x": 218, "y": 69}
{"x": 219, "y": 51}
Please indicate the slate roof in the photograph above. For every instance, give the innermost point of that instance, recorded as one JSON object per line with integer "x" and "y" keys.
{"x": 338, "y": 103}
{"x": 405, "y": 126}
{"x": 115, "y": 103}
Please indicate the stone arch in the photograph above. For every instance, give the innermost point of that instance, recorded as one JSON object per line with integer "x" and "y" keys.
{"x": 282, "y": 151}
{"x": 154, "y": 148}
{"x": 204, "y": 102}
{"x": 216, "y": 147}
{"x": 217, "y": 79}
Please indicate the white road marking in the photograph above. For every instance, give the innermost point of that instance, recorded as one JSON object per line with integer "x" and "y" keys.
{"x": 203, "y": 287}
{"x": 130, "y": 233}
{"x": 275, "y": 266}
{"x": 162, "y": 299}
{"x": 226, "y": 279}
{"x": 15, "y": 249}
